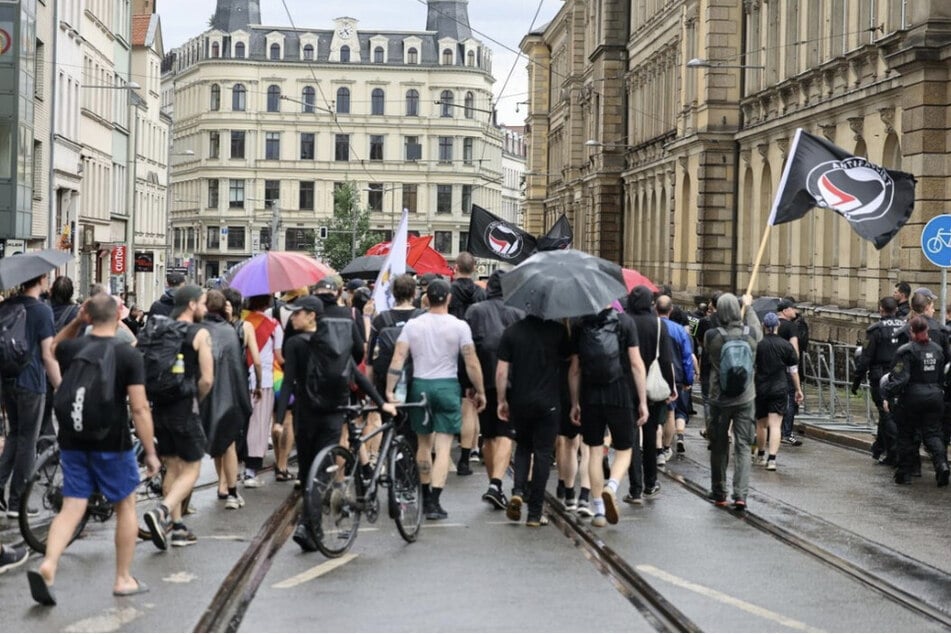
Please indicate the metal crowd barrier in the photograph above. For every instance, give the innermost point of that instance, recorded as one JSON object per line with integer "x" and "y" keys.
{"x": 827, "y": 372}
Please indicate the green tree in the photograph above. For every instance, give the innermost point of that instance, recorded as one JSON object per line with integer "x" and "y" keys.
{"x": 349, "y": 231}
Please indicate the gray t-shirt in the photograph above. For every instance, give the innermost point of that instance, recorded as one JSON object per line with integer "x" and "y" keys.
{"x": 434, "y": 343}
{"x": 123, "y": 335}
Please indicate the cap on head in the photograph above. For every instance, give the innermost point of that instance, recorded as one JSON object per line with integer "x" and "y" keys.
{"x": 438, "y": 292}
{"x": 326, "y": 285}
{"x": 295, "y": 293}
{"x": 355, "y": 283}
{"x": 784, "y": 304}
{"x": 771, "y": 320}
{"x": 927, "y": 293}
{"x": 309, "y": 303}
{"x": 184, "y": 296}
{"x": 175, "y": 278}
{"x": 428, "y": 278}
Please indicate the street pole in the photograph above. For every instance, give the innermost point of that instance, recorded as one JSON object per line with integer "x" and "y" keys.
{"x": 275, "y": 225}
{"x": 353, "y": 233}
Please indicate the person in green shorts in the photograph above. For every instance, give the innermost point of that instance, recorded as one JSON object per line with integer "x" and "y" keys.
{"x": 434, "y": 341}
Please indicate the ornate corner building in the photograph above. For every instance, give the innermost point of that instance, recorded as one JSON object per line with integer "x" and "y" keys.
{"x": 268, "y": 121}
{"x": 661, "y": 128}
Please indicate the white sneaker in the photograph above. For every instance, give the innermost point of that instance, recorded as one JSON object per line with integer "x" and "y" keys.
{"x": 761, "y": 461}
{"x": 668, "y": 453}
{"x": 252, "y": 482}
{"x": 232, "y": 503}
{"x": 771, "y": 465}
{"x": 584, "y": 510}
{"x": 661, "y": 459}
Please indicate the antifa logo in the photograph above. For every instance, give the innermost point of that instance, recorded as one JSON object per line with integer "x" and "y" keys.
{"x": 503, "y": 240}
{"x": 855, "y": 188}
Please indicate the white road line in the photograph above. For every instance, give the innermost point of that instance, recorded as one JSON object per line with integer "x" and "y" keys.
{"x": 227, "y": 538}
{"x": 716, "y": 595}
{"x": 313, "y": 573}
{"x": 111, "y": 620}
{"x": 180, "y": 577}
{"x": 445, "y": 526}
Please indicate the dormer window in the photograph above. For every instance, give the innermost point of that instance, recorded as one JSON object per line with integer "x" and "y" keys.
{"x": 412, "y": 56}
{"x": 308, "y": 52}
{"x": 275, "y": 51}
{"x": 470, "y": 58}
{"x": 215, "y": 50}
{"x": 447, "y": 57}
{"x": 239, "y": 50}
{"x": 378, "y": 55}
{"x": 344, "y": 53}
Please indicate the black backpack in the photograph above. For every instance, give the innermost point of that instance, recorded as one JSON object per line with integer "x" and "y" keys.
{"x": 14, "y": 348}
{"x": 599, "y": 349}
{"x": 85, "y": 401}
{"x": 160, "y": 343}
{"x": 385, "y": 346}
{"x": 330, "y": 365}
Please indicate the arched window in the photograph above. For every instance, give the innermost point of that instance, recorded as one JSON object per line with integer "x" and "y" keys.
{"x": 470, "y": 58}
{"x": 447, "y": 57}
{"x": 275, "y": 51}
{"x": 412, "y": 103}
{"x": 215, "y": 97}
{"x": 273, "y": 98}
{"x": 377, "y": 99}
{"x": 412, "y": 56}
{"x": 343, "y": 101}
{"x": 344, "y": 53}
{"x": 469, "y": 108}
{"x": 309, "y": 97}
{"x": 446, "y": 101}
{"x": 239, "y": 98}
{"x": 215, "y": 49}
{"x": 308, "y": 52}
{"x": 378, "y": 55}
{"x": 239, "y": 50}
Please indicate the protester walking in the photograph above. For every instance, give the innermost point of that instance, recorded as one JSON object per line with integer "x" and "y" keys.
{"x": 776, "y": 365}
{"x": 269, "y": 338}
{"x": 165, "y": 304}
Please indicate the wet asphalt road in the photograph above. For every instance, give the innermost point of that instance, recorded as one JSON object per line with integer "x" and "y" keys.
{"x": 478, "y": 572}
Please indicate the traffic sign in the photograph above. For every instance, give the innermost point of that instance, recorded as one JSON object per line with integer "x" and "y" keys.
{"x": 936, "y": 240}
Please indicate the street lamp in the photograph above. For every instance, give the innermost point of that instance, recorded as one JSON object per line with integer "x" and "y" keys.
{"x": 696, "y": 62}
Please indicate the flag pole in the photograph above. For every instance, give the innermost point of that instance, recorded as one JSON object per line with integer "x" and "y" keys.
{"x": 759, "y": 259}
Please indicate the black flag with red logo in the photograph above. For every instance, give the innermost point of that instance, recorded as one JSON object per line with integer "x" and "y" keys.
{"x": 876, "y": 201}
{"x": 558, "y": 237}
{"x": 492, "y": 237}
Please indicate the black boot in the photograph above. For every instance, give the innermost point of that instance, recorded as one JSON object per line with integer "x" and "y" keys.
{"x": 943, "y": 474}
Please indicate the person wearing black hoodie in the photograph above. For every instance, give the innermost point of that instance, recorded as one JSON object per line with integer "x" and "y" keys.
{"x": 164, "y": 304}
{"x": 650, "y": 333}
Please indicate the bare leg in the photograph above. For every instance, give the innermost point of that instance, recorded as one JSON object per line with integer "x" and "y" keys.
{"x": 441, "y": 465}
{"x": 567, "y": 459}
{"x": 286, "y": 444}
{"x": 61, "y": 532}
{"x": 595, "y": 472}
{"x": 127, "y": 530}
{"x": 229, "y": 468}
{"x": 775, "y": 427}
{"x": 424, "y": 458}
{"x": 668, "y": 430}
{"x": 585, "y": 452}
{"x": 219, "y": 469}
{"x": 761, "y": 434}
{"x": 498, "y": 453}
{"x": 180, "y": 478}
{"x": 470, "y": 425}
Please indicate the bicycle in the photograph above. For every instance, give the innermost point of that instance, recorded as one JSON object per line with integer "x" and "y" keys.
{"x": 42, "y": 497}
{"x": 336, "y": 493}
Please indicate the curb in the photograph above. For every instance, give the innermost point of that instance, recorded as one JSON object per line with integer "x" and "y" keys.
{"x": 852, "y": 441}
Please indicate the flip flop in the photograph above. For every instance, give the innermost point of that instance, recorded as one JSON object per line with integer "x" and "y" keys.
{"x": 42, "y": 593}
{"x": 140, "y": 588}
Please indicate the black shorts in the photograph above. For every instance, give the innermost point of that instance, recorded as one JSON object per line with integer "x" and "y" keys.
{"x": 596, "y": 419}
{"x": 565, "y": 428}
{"x": 179, "y": 433}
{"x": 490, "y": 426}
{"x": 770, "y": 404}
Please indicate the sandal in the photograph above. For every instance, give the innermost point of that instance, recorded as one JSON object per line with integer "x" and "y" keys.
{"x": 283, "y": 475}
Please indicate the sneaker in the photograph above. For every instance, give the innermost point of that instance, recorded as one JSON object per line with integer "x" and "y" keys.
{"x": 661, "y": 459}
{"x": 681, "y": 446}
{"x": 475, "y": 456}
{"x": 610, "y": 505}
{"x": 633, "y": 499}
{"x": 718, "y": 500}
{"x": 463, "y": 468}
{"x": 761, "y": 461}
{"x": 599, "y": 521}
{"x": 792, "y": 441}
{"x": 770, "y": 465}
{"x": 495, "y": 497}
{"x": 16, "y": 514}
{"x": 436, "y": 512}
{"x": 739, "y": 505}
{"x": 668, "y": 453}
{"x": 536, "y": 522}
{"x": 252, "y": 482}
{"x": 159, "y": 523}
{"x": 584, "y": 510}
{"x": 12, "y": 556}
{"x": 232, "y": 503}
{"x": 652, "y": 492}
{"x": 514, "y": 509}
{"x": 304, "y": 539}
{"x": 181, "y": 536}
{"x": 571, "y": 504}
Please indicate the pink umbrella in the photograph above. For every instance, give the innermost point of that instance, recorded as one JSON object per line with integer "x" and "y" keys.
{"x": 276, "y": 271}
{"x": 633, "y": 278}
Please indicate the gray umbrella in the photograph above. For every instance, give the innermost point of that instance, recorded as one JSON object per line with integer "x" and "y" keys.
{"x": 23, "y": 267}
{"x": 763, "y": 305}
{"x": 563, "y": 284}
{"x": 366, "y": 266}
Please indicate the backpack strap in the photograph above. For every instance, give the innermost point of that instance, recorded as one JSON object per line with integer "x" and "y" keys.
{"x": 657, "y": 349}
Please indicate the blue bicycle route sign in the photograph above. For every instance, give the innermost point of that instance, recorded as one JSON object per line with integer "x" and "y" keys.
{"x": 936, "y": 241}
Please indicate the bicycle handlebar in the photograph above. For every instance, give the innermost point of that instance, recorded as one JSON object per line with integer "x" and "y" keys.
{"x": 360, "y": 409}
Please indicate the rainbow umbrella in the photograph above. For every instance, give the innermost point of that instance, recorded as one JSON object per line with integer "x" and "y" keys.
{"x": 276, "y": 271}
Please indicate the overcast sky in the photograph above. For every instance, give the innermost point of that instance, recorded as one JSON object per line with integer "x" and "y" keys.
{"x": 500, "y": 24}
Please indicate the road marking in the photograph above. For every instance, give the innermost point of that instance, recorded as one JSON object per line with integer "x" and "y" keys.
{"x": 227, "y": 538}
{"x": 716, "y": 595}
{"x": 111, "y": 620}
{"x": 444, "y": 525}
{"x": 316, "y": 571}
{"x": 180, "y": 577}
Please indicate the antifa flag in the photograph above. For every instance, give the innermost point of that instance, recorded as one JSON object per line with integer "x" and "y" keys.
{"x": 492, "y": 237}
{"x": 877, "y": 202}
{"x": 558, "y": 237}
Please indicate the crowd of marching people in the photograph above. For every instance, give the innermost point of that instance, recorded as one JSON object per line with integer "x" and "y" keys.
{"x": 604, "y": 398}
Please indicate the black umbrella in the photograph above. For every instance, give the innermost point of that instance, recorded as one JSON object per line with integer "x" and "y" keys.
{"x": 23, "y": 267}
{"x": 763, "y": 305}
{"x": 563, "y": 284}
{"x": 367, "y": 266}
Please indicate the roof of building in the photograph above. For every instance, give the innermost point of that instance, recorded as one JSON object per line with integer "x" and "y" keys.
{"x": 235, "y": 15}
{"x": 140, "y": 29}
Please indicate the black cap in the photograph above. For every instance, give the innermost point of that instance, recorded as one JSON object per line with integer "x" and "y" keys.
{"x": 427, "y": 278}
{"x": 184, "y": 296}
{"x": 355, "y": 283}
{"x": 308, "y": 303}
{"x": 785, "y": 303}
{"x": 438, "y": 291}
{"x": 175, "y": 278}
{"x": 325, "y": 285}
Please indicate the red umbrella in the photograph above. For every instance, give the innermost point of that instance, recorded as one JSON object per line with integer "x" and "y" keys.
{"x": 633, "y": 278}
{"x": 419, "y": 255}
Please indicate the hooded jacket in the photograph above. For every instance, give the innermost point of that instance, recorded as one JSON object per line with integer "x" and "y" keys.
{"x": 164, "y": 304}
{"x": 488, "y": 320}
{"x": 728, "y": 314}
{"x": 465, "y": 293}
{"x": 640, "y": 306}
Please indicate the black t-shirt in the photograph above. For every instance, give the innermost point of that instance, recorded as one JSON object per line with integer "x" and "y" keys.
{"x": 535, "y": 350}
{"x": 774, "y": 357}
{"x": 710, "y": 322}
{"x": 621, "y": 392}
{"x": 130, "y": 370}
{"x": 396, "y": 316}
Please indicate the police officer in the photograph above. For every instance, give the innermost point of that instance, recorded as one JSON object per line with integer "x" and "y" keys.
{"x": 915, "y": 387}
{"x": 878, "y": 355}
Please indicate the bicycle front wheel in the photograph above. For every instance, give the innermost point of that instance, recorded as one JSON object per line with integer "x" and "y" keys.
{"x": 330, "y": 500}
{"x": 406, "y": 492}
{"x": 42, "y": 500}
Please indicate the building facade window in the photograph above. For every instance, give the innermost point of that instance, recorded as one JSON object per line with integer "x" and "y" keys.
{"x": 190, "y": 240}
{"x": 442, "y": 241}
{"x": 412, "y": 56}
{"x": 308, "y": 52}
{"x": 306, "y": 197}
{"x": 239, "y": 98}
{"x": 273, "y": 98}
{"x": 236, "y": 238}
{"x": 307, "y": 146}
{"x": 213, "y": 238}
{"x": 463, "y": 244}
{"x": 272, "y": 146}
{"x": 467, "y": 199}
{"x": 275, "y": 51}
{"x": 344, "y": 53}
{"x": 443, "y": 199}
{"x": 410, "y": 197}
{"x": 446, "y": 102}
{"x": 215, "y": 49}
{"x": 237, "y": 144}
{"x": 377, "y": 102}
{"x": 375, "y": 197}
{"x": 236, "y": 194}
{"x": 272, "y": 192}
{"x": 447, "y": 57}
{"x": 215, "y": 97}
{"x": 343, "y": 101}
{"x": 467, "y": 145}
{"x": 376, "y": 147}
{"x": 414, "y": 150}
{"x": 469, "y": 107}
{"x": 298, "y": 239}
{"x": 214, "y": 144}
{"x": 445, "y": 149}
{"x": 412, "y": 103}
{"x": 309, "y": 97}
{"x": 264, "y": 238}
{"x": 213, "y": 185}
{"x": 342, "y": 147}
{"x": 470, "y": 58}
{"x": 239, "y": 50}
{"x": 378, "y": 55}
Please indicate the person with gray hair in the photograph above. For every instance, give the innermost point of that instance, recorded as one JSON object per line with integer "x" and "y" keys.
{"x": 732, "y": 401}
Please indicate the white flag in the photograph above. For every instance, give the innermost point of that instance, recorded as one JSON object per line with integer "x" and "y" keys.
{"x": 393, "y": 266}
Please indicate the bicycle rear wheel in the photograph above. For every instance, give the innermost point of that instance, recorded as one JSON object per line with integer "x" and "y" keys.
{"x": 42, "y": 499}
{"x": 330, "y": 500}
{"x": 406, "y": 492}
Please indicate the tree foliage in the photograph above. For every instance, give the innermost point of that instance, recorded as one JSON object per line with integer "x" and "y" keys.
{"x": 350, "y": 224}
